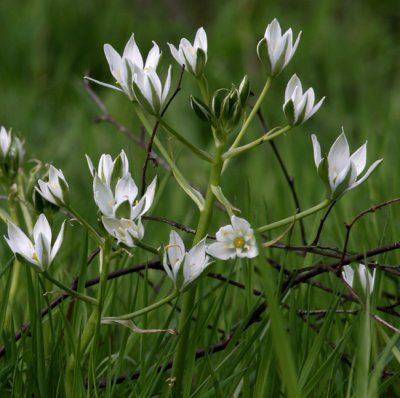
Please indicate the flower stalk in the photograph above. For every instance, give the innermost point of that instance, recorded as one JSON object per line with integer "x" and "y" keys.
{"x": 325, "y": 203}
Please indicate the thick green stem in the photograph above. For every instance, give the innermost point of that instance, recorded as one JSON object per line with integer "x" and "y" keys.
{"x": 253, "y": 113}
{"x": 183, "y": 363}
{"x": 145, "y": 310}
{"x": 296, "y": 217}
{"x": 71, "y": 292}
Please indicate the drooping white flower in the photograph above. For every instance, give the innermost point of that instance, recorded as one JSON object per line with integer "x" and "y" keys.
{"x": 235, "y": 240}
{"x": 339, "y": 170}
{"x": 149, "y": 90}
{"x": 276, "y": 50}
{"x": 40, "y": 253}
{"x": 126, "y": 231}
{"x": 124, "y": 67}
{"x": 299, "y": 107}
{"x": 193, "y": 57}
{"x": 367, "y": 278}
{"x": 56, "y": 189}
{"x": 181, "y": 266}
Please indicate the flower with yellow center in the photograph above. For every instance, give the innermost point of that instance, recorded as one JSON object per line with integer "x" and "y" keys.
{"x": 235, "y": 240}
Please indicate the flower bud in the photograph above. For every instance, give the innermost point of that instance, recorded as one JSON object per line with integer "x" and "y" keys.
{"x": 11, "y": 155}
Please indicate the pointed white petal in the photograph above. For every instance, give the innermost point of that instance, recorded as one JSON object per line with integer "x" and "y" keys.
{"x": 57, "y": 243}
{"x": 221, "y": 251}
{"x": 359, "y": 158}
{"x": 317, "y": 150}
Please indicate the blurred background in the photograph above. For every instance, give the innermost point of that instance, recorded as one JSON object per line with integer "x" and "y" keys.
{"x": 349, "y": 52}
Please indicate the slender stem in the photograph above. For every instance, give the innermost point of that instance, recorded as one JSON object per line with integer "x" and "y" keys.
{"x": 91, "y": 230}
{"x": 253, "y": 113}
{"x": 145, "y": 310}
{"x": 199, "y": 152}
{"x": 146, "y": 247}
{"x": 266, "y": 137}
{"x": 203, "y": 86}
{"x": 68, "y": 290}
{"x": 182, "y": 367}
{"x": 296, "y": 217}
{"x": 181, "y": 180}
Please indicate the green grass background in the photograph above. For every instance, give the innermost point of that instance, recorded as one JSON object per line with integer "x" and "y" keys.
{"x": 349, "y": 52}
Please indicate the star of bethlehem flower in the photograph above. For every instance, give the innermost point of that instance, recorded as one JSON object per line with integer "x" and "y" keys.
{"x": 124, "y": 67}
{"x": 40, "y": 252}
{"x": 115, "y": 194}
{"x": 299, "y": 107}
{"x": 276, "y": 50}
{"x": 149, "y": 91}
{"x": 193, "y": 57}
{"x": 339, "y": 170}
{"x": 235, "y": 240}
{"x": 181, "y": 266}
{"x": 367, "y": 278}
{"x": 56, "y": 189}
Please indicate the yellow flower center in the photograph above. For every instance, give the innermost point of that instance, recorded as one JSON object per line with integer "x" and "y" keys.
{"x": 239, "y": 242}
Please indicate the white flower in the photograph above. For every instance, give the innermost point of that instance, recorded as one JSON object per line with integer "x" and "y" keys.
{"x": 11, "y": 148}
{"x": 236, "y": 240}
{"x": 276, "y": 50}
{"x": 367, "y": 279}
{"x": 181, "y": 266}
{"x": 149, "y": 91}
{"x": 194, "y": 57}
{"x": 299, "y": 107}
{"x": 126, "y": 231}
{"x": 124, "y": 67}
{"x": 109, "y": 171}
{"x": 39, "y": 253}
{"x": 5, "y": 141}
{"x": 339, "y": 170}
{"x": 56, "y": 189}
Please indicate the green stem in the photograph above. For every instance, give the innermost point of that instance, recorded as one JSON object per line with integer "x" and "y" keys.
{"x": 199, "y": 152}
{"x": 203, "y": 86}
{"x": 296, "y": 217}
{"x": 68, "y": 290}
{"x": 146, "y": 247}
{"x": 146, "y": 309}
{"x": 91, "y": 230}
{"x": 252, "y": 113}
{"x": 181, "y": 180}
{"x": 266, "y": 137}
{"x": 183, "y": 361}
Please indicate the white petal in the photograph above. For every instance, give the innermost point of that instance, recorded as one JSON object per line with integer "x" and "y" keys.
{"x": 348, "y": 275}
{"x": 175, "y": 250}
{"x": 132, "y": 53}
{"x": 149, "y": 196}
{"x": 153, "y": 58}
{"x": 316, "y": 149}
{"x": 103, "y": 197}
{"x": 126, "y": 189}
{"x": 167, "y": 86}
{"x": 57, "y": 243}
{"x": 114, "y": 61}
{"x": 19, "y": 242}
{"x": 291, "y": 86}
{"x": 200, "y": 40}
{"x": 367, "y": 174}
{"x": 42, "y": 226}
{"x": 339, "y": 154}
{"x": 221, "y": 251}
{"x": 226, "y": 234}
{"x": 176, "y": 54}
{"x": 359, "y": 158}
{"x": 240, "y": 225}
